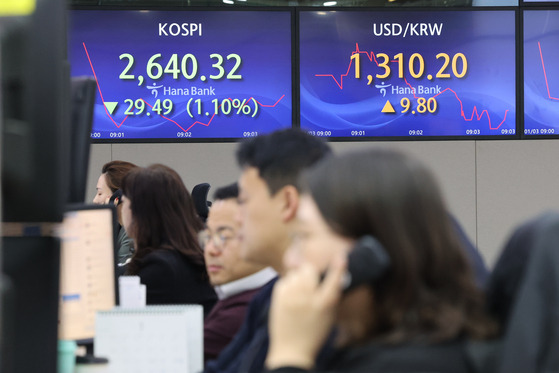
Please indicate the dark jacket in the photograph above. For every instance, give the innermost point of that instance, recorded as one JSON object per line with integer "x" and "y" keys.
{"x": 224, "y": 322}
{"x": 247, "y": 351}
{"x": 531, "y": 340}
{"x": 170, "y": 278}
{"x": 448, "y": 357}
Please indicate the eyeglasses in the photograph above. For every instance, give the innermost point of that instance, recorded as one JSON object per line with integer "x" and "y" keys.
{"x": 219, "y": 239}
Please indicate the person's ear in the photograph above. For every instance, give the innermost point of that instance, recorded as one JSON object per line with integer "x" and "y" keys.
{"x": 290, "y": 202}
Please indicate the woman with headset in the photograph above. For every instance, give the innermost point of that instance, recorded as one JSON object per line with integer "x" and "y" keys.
{"x": 108, "y": 191}
{"x": 158, "y": 213}
{"x": 413, "y": 311}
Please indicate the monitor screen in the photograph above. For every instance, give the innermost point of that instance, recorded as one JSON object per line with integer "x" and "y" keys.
{"x": 34, "y": 113}
{"x": 541, "y": 73}
{"x": 185, "y": 74}
{"x": 29, "y": 303}
{"x": 83, "y": 91}
{"x": 87, "y": 269}
{"x": 408, "y": 74}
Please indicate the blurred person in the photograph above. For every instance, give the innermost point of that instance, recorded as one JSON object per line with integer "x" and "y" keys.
{"x": 158, "y": 214}
{"x": 502, "y": 291}
{"x": 235, "y": 280}
{"x": 108, "y": 185}
{"x": 509, "y": 270}
{"x": 268, "y": 198}
{"x": 481, "y": 273}
{"x": 417, "y": 316}
{"x": 525, "y": 296}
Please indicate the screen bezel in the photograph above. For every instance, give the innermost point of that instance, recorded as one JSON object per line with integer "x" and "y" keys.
{"x": 115, "y": 224}
{"x": 294, "y": 88}
{"x": 518, "y": 76}
{"x": 521, "y": 32}
{"x": 524, "y": 3}
{"x": 295, "y": 11}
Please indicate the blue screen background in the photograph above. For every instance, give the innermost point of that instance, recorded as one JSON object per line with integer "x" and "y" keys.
{"x": 541, "y": 86}
{"x": 335, "y": 103}
{"x": 261, "y": 39}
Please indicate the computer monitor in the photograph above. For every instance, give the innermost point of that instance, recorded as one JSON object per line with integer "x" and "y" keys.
{"x": 87, "y": 269}
{"x": 408, "y": 74}
{"x": 29, "y": 304}
{"x": 35, "y": 82}
{"x": 224, "y": 74}
{"x": 538, "y": 2}
{"x": 541, "y": 73}
{"x": 82, "y": 100}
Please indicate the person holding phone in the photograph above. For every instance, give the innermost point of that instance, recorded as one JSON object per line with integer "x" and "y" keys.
{"x": 268, "y": 200}
{"x": 420, "y": 311}
{"x": 108, "y": 191}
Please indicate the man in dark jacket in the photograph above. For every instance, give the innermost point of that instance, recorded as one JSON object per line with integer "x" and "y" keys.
{"x": 236, "y": 281}
{"x": 269, "y": 198}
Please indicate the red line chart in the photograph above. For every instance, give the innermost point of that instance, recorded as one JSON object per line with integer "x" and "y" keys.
{"x": 545, "y": 74}
{"x": 118, "y": 125}
{"x": 475, "y": 112}
{"x": 101, "y": 93}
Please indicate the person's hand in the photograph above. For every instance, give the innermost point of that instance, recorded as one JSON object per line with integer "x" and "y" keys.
{"x": 302, "y": 314}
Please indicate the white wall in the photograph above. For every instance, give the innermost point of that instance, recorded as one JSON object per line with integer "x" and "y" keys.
{"x": 490, "y": 186}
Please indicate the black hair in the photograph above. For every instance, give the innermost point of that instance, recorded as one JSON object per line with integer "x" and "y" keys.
{"x": 429, "y": 290}
{"x": 280, "y": 156}
{"x": 163, "y": 215}
{"x": 227, "y": 192}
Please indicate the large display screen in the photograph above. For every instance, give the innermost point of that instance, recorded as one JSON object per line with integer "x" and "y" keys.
{"x": 541, "y": 72}
{"x": 185, "y": 74}
{"x": 443, "y": 73}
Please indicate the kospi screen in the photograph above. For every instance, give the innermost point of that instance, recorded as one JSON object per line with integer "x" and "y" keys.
{"x": 401, "y": 74}
{"x": 541, "y": 72}
{"x": 180, "y": 75}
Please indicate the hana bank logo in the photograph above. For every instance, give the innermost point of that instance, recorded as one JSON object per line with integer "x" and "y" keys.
{"x": 382, "y": 87}
{"x": 154, "y": 89}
